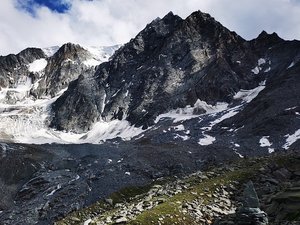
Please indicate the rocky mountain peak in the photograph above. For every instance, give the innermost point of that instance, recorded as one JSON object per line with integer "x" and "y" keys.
{"x": 70, "y": 51}
{"x": 30, "y": 54}
{"x": 210, "y": 29}
{"x": 266, "y": 36}
{"x": 161, "y": 27}
{"x": 265, "y": 41}
{"x": 15, "y": 67}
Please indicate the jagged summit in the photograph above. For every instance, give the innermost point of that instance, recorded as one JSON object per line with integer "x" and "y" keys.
{"x": 69, "y": 48}
{"x": 265, "y": 35}
{"x": 265, "y": 40}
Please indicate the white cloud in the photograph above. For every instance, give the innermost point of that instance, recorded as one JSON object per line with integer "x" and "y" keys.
{"x": 107, "y": 22}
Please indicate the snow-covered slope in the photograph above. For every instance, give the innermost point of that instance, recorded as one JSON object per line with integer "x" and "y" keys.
{"x": 29, "y": 122}
{"x": 99, "y": 54}
{"x": 25, "y": 106}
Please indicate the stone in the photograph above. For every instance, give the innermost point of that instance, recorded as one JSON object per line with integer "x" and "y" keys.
{"x": 250, "y": 198}
{"x": 76, "y": 219}
{"x": 121, "y": 220}
{"x": 250, "y": 213}
{"x": 297, "y": 173}
{"x": 272, "y": 181}
{"x": 282, "y": 174}
{"x": 286, "y": 204}
{"x": 109, "y": 201}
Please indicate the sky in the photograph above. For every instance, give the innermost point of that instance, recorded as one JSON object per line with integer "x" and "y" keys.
{"x": 45, "y": 23}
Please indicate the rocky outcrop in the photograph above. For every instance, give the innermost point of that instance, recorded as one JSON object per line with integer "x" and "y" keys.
{"x": 14, "y": 67}
{"x": 62, "y": 68}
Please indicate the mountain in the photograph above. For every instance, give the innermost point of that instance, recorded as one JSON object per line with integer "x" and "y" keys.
{"x": 181, "y": 96}
{"x": 31, "y": 80}
{"x": 200, "y": 68}
{"x": 170, "y": 64}
{"x": 193, "y": 66}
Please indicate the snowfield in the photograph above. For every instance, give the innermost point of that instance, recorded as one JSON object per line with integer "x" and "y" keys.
{"x": 37, "y": 65}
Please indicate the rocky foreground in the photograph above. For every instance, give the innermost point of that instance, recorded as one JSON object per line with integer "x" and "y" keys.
{"x": 263, "y": 190}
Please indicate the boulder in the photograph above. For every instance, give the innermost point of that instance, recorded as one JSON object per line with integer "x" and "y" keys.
{"x": 250, "y": 213}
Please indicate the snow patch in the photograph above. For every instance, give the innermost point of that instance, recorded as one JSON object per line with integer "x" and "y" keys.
{"x": 258, "y": 68}
{"x": 230, "y": 113}
{"x": 261, "y": 61}
{"x": 17, "y": 93}
{"x": 183, "y": 137}
{"x": 99, "y": 54}
{"x": 37, "y": 65}
{"x": 50, "y": 51}
{"x": 239, "y": 154}
{"x": 271, "y": 150}
{"x": 249, "y": 95}
{"x": 264, "y": 142}
{"x": 190, "y": 112}
{"x": 291, "y": 65}
{"x": 255, "y": 70}
{"x": 207, "y": 140}
{"x": 267, "y": 70}
{"x": 179, "y": 127}
{"x": 288, "y": 109}
{"x": 291, "y": 139}
{"x": 54, "y": 190}
{"x": 87, "y": 222}
{"x": 103, "y": 131}
{"x": 92, "y": 62}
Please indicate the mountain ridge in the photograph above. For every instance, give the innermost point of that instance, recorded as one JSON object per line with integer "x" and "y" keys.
{"x": 172, "y": 64}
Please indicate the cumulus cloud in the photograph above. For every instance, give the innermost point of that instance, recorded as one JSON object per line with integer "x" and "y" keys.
{"x": 108, "y": 22}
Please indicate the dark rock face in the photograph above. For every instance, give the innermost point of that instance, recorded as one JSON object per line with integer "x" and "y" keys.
{"x": 88, "y": 100}
{"x": 170, "y": 64}
{"x": 274, "y": 112}
{"x": 13, "y": 67}
{"x": 62, "y": 68}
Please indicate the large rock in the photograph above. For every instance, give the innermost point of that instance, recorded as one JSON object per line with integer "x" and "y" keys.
{"x": 286, "y": 205}
{"x": 250, "y": 213}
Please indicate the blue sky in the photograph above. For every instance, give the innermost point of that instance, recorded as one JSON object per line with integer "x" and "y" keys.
{"x": 31, "y": 6}
{"x": 44, "y": 23}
